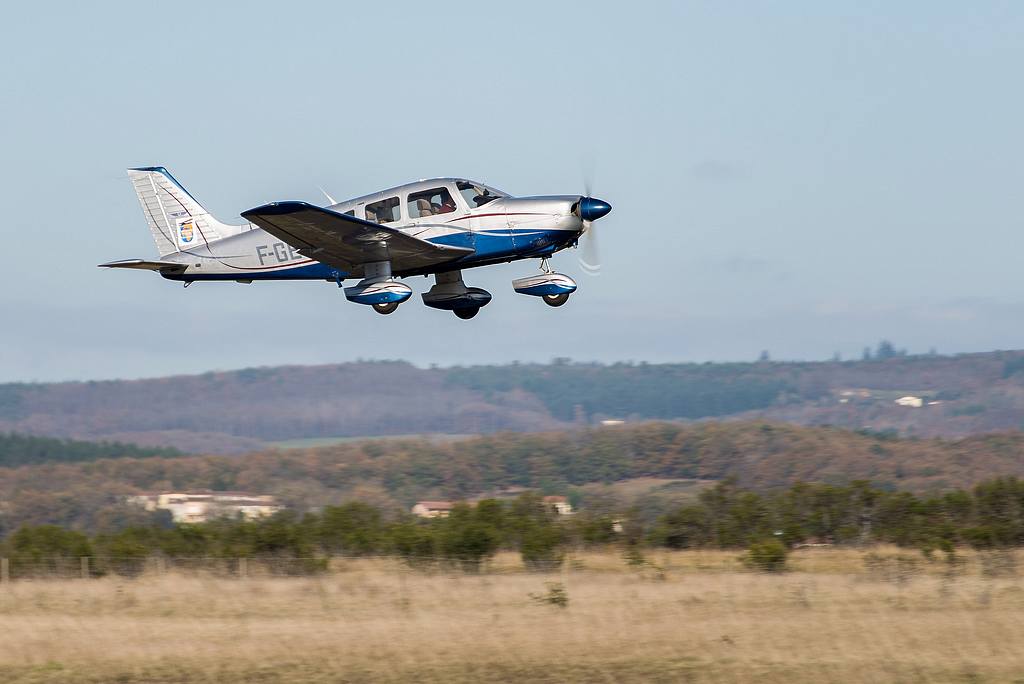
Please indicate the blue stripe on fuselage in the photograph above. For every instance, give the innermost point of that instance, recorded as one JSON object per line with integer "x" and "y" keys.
{"x": 315, "y": 271}
{"x": 511, "y": 243}
{"x": 491, "y": 247}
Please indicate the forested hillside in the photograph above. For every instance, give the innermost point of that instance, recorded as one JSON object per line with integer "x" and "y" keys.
{"x": 16, "y": 450}
{"x": 394, "y": 474}
{"x": 246, "y": 410}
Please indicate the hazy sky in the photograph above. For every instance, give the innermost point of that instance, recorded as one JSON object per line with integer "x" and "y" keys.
{"x": 801, "y": 177}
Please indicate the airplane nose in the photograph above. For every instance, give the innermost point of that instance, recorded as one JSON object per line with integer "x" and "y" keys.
{"x": 592, "y": 208}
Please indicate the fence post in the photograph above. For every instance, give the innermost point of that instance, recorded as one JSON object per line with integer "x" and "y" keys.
{"x": 85, "y": 567}
{"x": 5, "y": 570}
{"x": 243, "y": 567}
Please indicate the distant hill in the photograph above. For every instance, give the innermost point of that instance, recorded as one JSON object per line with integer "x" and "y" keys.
{"x": 246, "y": 410}
{"x": 394, "y": 473}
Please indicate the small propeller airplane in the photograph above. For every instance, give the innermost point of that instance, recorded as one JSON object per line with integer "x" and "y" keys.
{"x": 433, "y": 227}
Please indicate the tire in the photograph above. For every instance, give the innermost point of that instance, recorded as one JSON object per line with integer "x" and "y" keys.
{"x": 385, "y": 309}
{"x": 556, "y": 300}
{"x": 466, "y": 314}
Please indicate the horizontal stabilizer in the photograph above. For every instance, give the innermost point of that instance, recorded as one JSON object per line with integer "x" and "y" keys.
{"x": 142, "y": 264}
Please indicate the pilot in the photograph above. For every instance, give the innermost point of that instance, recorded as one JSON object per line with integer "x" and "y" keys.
{"x": 483, "y": 198}
{"x": 447, "y": 205}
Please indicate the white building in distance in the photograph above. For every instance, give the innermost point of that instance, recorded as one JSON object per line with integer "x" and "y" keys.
{"x": 559, "y": 504}
{"x": 433, "y": 509}
{"x": 203, "y": 505}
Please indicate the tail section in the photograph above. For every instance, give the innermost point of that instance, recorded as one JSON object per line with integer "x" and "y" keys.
{"x": 177, "y": 221}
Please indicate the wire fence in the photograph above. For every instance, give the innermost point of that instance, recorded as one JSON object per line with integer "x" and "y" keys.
{"x": 90, "y": 567}
{"x": 897, "y": 568}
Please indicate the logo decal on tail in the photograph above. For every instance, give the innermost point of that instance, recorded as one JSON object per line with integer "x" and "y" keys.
{"x": 186, "y": 231}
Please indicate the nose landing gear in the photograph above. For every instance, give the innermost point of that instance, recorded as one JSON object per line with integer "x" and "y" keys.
{"x": 449, "y": 293}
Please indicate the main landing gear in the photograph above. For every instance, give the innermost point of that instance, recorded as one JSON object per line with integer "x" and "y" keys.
{"x": 378, "y": 289}
{"x": 449, "y": 293}
{"x": 390, "y": 307}
{"x": 553, "y": 288}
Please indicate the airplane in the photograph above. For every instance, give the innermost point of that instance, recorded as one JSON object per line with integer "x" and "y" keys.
{"x": 438, "y": 227}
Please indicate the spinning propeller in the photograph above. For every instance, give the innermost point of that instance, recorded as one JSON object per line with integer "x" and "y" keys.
{"x": 589, "y": 209}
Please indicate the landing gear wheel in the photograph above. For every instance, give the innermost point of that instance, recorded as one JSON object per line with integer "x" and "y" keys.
{"x": 556, "y": 300}
{"x": 385, "y": 308}
{"x": 466, "y": 314}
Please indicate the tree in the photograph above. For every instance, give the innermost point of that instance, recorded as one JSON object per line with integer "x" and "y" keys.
{"x": 46, "y": 549}
{"x": 415, "y": 542}
{"x": 466, "y": 539}
{"x": 354, "y": 528}
{"x": 535, "y": 532}
{"x": 684, "y": 528}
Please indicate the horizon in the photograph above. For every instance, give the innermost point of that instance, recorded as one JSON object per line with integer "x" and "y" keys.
{"x": 900, "y": 353}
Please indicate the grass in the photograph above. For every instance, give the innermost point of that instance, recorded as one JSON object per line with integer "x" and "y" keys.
{"x": 700, "y": 618}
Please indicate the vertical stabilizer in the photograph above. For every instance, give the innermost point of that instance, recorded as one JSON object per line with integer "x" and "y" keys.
{"x": 177, "y": 221}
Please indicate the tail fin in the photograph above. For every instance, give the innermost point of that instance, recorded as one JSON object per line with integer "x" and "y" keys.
{"x": 177, "y": 221}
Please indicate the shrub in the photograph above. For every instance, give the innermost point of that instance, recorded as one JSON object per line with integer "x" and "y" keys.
{"x": 766, "y": 556}
{"x": 556, "y": 595}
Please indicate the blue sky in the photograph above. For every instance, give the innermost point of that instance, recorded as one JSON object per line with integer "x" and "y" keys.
{"x": 800, "y": 177}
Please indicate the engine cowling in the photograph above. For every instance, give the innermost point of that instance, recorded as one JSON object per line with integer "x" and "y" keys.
{"x": 545, "y": 285}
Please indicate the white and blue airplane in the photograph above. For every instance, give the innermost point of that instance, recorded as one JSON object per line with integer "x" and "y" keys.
{"x": 433, "y": 227}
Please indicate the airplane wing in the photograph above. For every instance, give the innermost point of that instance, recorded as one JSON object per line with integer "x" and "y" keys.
{"x": 142, "y": 264}
{"x": 346, "y": 241}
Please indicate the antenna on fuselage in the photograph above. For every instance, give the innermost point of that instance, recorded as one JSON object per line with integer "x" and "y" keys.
{"x": 329, "y": 198}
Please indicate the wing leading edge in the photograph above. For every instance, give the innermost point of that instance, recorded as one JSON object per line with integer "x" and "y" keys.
{"x": 346, "y": 241}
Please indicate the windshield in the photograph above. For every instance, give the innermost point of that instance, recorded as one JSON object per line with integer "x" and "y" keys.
{"x": 477, "y": 194}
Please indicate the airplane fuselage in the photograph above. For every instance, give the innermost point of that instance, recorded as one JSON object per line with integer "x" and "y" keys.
{"x": 501, "y": 230}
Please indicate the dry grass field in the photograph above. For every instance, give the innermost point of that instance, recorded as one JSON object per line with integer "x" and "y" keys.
{"x": 686, "y": 617}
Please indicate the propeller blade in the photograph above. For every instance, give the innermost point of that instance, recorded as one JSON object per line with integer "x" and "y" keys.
{"x": 587, "y": 172}
{"x": 590, "y": 258}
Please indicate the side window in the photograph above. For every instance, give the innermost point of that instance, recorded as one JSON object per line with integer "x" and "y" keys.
{"x": 350, "y": 212}
{"x": 430, "y": 203}
{"x": 385, "y": 211}
{"x": 475, "y": 195}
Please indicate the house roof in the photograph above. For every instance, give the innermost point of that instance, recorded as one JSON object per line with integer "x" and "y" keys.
{"x": 555, "y": 499}
{"x": 437, "y": 505}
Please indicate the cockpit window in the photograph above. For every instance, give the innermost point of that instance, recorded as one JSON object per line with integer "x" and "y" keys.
{"x": 477, "y": 195}
{"x": 385, "y": 211}
{"x": 430, "y": 203}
